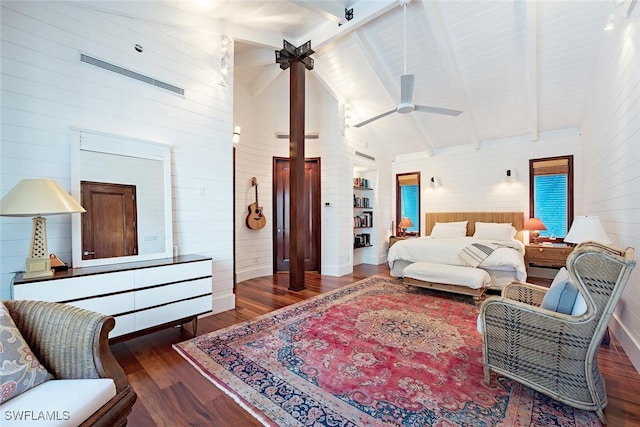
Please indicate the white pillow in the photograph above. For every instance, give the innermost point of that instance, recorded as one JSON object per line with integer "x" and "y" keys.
{"x": 580, "y": 306}
{"x": 442, "y": 230}
{"x": 462, "y": 224}
{"x": 494, "y": 231}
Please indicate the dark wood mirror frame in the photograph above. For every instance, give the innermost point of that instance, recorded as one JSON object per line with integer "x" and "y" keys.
{"x": 567, "y": 167}
{"x": 413, "y": 177}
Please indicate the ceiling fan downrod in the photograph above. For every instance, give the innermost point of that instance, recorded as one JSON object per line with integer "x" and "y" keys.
{"x": 404, "y": 9}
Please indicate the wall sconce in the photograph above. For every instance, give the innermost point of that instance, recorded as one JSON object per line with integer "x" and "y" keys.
{"x": 346, "y": 124}
{"x": 236, "y": 134}
{"x": 511, "y": 175}
{"x": 611, "y": 22}
{"x": 225, "y": 60}
{"x": 620, "y": 9}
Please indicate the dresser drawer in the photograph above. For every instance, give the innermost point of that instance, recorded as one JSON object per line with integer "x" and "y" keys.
{"x": 170, "y": 274}
{"x": 75, "y": 288}
{"x": 170, "y": 293}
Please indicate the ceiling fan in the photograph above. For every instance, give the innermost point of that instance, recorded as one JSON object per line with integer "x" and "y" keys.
{"x": 406, "y": 89}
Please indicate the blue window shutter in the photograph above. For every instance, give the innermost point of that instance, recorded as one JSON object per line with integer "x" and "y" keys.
{"x": 550, "y": 201}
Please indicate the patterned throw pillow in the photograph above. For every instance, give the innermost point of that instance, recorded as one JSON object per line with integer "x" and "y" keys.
{"x": 19, "y": 368}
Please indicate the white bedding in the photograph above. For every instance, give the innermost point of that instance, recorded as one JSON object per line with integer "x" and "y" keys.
{"x": 447, "y": 251}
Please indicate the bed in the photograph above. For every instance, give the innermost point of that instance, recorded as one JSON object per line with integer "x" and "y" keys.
{"x": 504, "y": 263}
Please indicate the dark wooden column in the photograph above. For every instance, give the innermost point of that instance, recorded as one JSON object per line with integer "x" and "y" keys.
{"x": 297, "y": 219}
{"x": 297, "y": 59}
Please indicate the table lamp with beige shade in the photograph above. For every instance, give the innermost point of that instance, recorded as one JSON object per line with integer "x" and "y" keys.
{"x": 35, "y": 198}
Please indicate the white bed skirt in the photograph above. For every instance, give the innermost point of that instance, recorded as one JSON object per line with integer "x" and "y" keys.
{"x": 499, "y": 278}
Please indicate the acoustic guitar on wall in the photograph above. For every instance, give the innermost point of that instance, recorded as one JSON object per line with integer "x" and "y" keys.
{"x": 255, "y": 219}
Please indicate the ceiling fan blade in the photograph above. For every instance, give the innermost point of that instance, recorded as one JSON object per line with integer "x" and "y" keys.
{"x": 406, "y": 88}
{"x": 437, "y": 110}
{"x": 379, "y": 116}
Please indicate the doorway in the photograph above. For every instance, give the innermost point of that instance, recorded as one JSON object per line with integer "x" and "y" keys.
{"x": 281, "y": 231}
{"x": 109, "y": 227}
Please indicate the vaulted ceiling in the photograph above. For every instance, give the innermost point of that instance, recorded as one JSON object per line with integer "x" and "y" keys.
{"x": 515, "y": 68}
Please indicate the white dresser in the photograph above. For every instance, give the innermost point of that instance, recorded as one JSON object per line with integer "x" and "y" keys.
{"x": 140, "y": 295}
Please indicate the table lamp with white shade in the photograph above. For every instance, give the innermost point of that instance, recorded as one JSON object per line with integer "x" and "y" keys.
{"x": 37, "y": 197}
{"x": 586, "y": 228}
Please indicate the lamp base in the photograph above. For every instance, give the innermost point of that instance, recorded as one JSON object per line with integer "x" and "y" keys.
{"x": 37, "y": 267}
{"x": 39, "y": 263}
{"x": 535, "y": 234}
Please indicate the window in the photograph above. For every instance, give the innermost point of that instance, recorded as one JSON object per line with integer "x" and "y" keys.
{"x": 551, "y": 195}
{"x": 408, "y": 200}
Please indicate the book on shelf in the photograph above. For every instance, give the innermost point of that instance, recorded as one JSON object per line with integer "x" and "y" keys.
{"x": 360, "y": 182}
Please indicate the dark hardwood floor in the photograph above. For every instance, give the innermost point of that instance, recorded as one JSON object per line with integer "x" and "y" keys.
{"x": 172, "y": 393}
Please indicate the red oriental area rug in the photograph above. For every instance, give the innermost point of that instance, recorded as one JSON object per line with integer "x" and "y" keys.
{"x": 374, "y": 353}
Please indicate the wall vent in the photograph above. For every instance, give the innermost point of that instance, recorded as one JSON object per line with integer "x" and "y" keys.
{"x": 366, "y": 156}
{"x": 132, "y": 74}
{"x": 285, "y": 135}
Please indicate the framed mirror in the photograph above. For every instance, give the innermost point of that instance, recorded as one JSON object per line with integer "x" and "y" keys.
{"x": 408, "y": 202}
{"x": 143, "y": 170}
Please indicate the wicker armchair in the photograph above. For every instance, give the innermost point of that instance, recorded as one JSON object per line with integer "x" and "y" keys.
{"x": 73, "y": 343}
{"x": 551, "y": 352}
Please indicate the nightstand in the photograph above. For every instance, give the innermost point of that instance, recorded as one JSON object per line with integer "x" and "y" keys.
{"x": 393, "y": 239}
{"x": 546, "y": 255}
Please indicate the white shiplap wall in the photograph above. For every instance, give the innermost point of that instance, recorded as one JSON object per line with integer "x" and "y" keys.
{"x": 612, "y": 159}
{"x": 475, "y": 180}
{"x": 46, "y": 89}
{"x": 260, "y": 116}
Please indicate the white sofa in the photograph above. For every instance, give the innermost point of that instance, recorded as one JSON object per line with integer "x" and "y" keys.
{"x": 89, "y": 387}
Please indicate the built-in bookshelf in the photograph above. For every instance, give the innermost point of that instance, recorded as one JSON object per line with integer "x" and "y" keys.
{"x": 362, "y": 212}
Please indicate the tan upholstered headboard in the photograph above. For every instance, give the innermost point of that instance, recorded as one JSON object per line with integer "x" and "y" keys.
{"x": 515, "y": 218}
